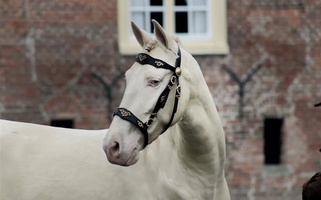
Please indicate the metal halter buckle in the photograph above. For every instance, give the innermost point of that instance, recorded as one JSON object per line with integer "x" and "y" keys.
{"x": 178, "y": 91}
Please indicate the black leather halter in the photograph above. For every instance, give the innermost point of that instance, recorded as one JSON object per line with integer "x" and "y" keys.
{"x": 145, "y": 59}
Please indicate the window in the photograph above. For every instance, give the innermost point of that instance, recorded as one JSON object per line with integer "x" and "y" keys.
{"x": 273, "y": 140}
{"x": 192, "y": 18}
{"x": 142, "y": 11}
{"x": 200, "y": 24}
{"x": 64, "y": 123}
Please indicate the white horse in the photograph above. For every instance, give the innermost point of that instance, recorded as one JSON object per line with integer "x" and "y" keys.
{"x": 186, "y": 162}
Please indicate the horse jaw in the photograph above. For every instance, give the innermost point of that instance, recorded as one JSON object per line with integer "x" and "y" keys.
{"x": 120, "y": 147}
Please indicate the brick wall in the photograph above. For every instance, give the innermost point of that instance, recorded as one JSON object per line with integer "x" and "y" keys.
{"x": 49, "y": 50}
{"x": 288, "y": 36}
{"x": 55, "y": 55}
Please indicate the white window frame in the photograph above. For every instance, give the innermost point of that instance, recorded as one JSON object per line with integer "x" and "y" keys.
{"x": 215, "y": 42}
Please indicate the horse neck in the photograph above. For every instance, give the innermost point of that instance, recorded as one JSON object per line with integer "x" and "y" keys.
{"x": 202, "y": 142}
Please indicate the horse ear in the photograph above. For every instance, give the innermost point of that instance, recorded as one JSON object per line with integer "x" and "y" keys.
{"x": 141, "y": 36}
{"x": 163, "y": 37}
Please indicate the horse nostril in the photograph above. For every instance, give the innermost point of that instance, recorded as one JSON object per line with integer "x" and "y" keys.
{"x": 114, "y": 149}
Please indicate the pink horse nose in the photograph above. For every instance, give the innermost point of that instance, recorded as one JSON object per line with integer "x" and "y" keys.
{"x": 112, "y": 151}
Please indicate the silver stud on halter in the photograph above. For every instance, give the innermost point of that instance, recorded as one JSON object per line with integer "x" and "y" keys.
{"x": 178, "y": 71}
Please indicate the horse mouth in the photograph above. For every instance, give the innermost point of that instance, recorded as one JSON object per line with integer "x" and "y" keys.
{"x": 133, "y": 158}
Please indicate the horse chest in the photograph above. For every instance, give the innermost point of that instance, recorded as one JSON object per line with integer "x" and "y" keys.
{"x": 162, "y": 175}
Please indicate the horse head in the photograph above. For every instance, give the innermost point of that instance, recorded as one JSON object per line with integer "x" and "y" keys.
{"x": 153, "y": 99}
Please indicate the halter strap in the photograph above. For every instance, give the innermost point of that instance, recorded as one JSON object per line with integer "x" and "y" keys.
{"x": 129, "y": 116}
{"x": 145, "y": 59}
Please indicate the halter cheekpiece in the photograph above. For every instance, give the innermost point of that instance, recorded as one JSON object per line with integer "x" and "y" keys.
{"x": 145, "y": 59}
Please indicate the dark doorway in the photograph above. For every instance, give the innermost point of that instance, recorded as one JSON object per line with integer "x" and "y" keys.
{"x": 273, "y": 140}
{"x": 64, "y": 123}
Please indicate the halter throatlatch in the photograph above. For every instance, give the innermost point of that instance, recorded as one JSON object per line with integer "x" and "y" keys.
{"x": 145, "y": 59}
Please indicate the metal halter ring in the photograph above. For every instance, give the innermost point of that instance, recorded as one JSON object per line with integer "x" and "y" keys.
{"x": 149, "y": 122}
{"x": 151, "y": 119}
{"x": 173, "y": 80}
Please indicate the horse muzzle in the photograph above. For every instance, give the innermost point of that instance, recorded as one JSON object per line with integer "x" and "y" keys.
{"x": 119, "y": 155}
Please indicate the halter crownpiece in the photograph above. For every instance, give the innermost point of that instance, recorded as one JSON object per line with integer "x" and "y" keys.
{"x": 145, "y": 59}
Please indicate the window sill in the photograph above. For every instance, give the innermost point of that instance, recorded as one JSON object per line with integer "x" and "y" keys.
{"x": 195, "y": 48}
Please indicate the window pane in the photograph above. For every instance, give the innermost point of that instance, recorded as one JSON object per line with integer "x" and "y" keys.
{"x": 199, "y": 2}
{"x": 137, "y": 3}
{"x": 156, "y": 2}
{"x": 139, "y": 19}
{"x": 180, "y": 2}
{"x": 273, "y": 140}
{"x": 158, "y": 16}
{"x": 181, "y": 22}
{"x": 199, "y": 22}
{"x": 64, "y": 123}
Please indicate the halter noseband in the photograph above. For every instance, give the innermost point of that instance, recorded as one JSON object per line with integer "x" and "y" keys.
{"x": 145, "y": 59}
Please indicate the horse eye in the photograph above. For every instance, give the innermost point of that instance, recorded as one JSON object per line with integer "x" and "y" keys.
{"x": 154, "y": 83}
